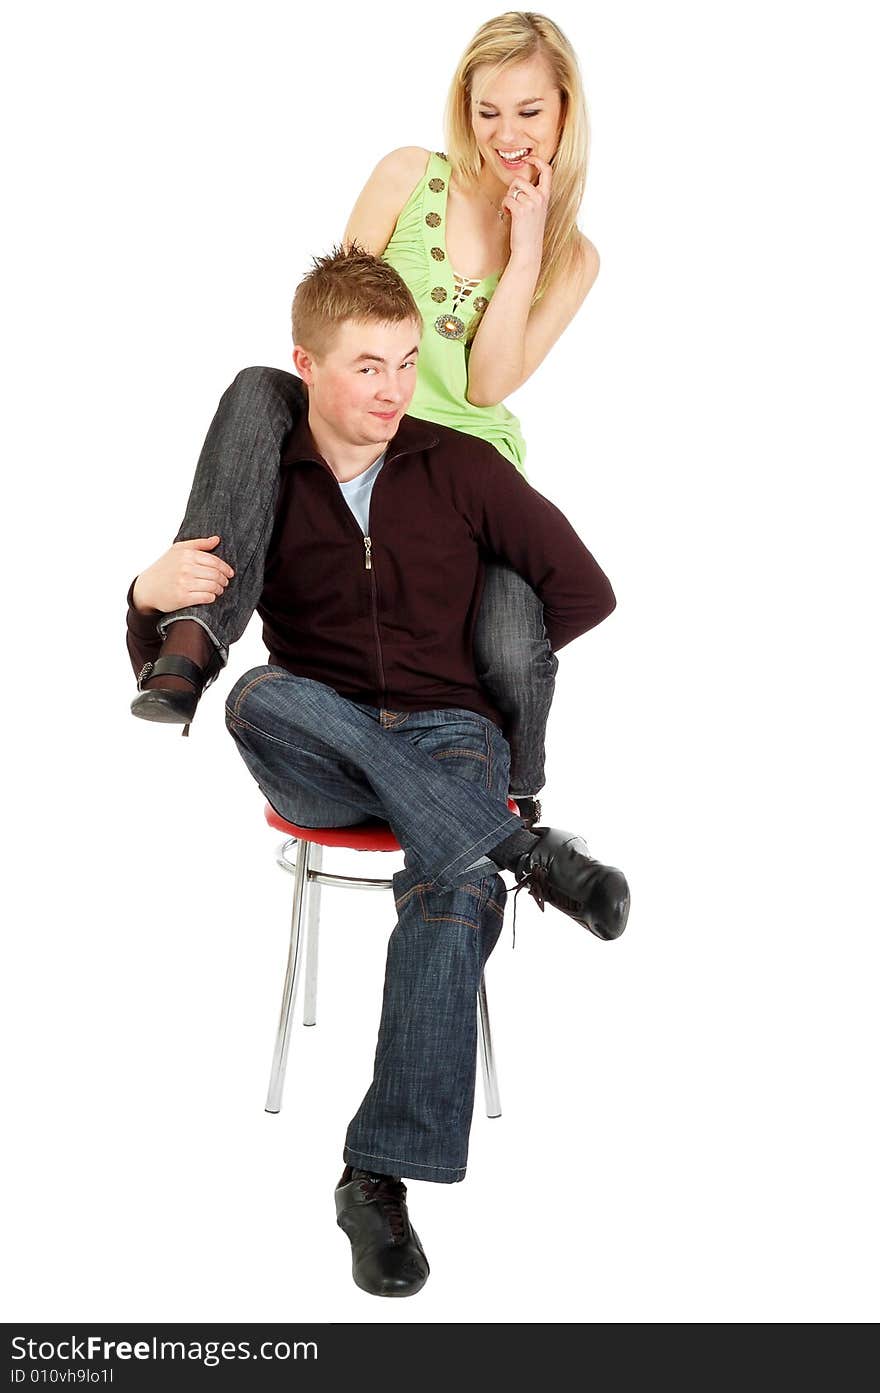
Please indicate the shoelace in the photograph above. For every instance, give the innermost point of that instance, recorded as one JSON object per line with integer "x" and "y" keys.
{"x": 390, "y": 1196}
{"x": 535, "y": 881}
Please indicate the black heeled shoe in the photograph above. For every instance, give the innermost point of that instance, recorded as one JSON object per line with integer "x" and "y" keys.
{"x": 173, "y": 708}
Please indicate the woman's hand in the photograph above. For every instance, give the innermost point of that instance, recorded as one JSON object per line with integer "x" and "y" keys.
{"x": 185, "y": 575}
{"x": 527, "y": 205}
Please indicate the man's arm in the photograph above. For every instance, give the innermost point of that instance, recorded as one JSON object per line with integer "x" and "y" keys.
{"x": 528, "y": 532}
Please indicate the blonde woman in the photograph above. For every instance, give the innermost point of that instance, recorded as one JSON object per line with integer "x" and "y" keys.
{"x": 485, "y": 237}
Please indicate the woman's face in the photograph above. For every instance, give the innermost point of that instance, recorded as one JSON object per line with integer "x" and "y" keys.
{"x": 517, "y": 112}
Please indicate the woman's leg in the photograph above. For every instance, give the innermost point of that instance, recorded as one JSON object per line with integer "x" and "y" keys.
{"x": 235, "y": 491}
{"x": 517, "y": 666}
{"x": 233, "y": 497}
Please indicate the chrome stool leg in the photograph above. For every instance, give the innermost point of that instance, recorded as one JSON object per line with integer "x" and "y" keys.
{"x": 310, "y": 1004}
{"x": 487, "y": 1054}
{"x": 308, "y": 879}
{"x": 291, "y": 979}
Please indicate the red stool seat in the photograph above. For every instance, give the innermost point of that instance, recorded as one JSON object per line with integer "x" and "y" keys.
{"x": 360, "y": 836}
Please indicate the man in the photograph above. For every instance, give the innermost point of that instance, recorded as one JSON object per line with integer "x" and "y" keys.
{"x": 369, "y": 707}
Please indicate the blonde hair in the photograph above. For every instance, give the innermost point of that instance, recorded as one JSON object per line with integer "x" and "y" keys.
{"x": 502, "y": 42}
{"x": 348, "y": 283}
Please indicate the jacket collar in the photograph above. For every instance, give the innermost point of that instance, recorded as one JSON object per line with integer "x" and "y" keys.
{"x": 412, "y": 436}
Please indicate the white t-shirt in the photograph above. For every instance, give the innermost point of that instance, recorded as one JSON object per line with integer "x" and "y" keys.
{"x": 357, "y": 493}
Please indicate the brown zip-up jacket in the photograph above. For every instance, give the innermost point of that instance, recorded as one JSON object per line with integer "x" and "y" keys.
{"x": 388, "y": 619}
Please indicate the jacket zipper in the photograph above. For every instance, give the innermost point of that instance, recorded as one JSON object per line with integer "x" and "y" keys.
{"x": 368, "y": 566}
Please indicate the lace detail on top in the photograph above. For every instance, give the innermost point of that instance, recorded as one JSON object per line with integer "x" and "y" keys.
{"x": 464, "y": 287}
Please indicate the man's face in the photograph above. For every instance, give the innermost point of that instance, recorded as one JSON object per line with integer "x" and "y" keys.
{"x": 363, "y": 384}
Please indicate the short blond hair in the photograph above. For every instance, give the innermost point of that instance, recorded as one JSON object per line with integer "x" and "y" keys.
{"x": 347, "y": 284}
{"x": 501, "y": 43}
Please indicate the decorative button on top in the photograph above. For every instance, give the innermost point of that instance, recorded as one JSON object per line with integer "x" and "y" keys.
{"x": 449, "y": 326}
{"x": 438, "y": 294}
{"x": 438, "y": 253}
{"x": 437, "y": 185}
{"x": 480, "y": 304}
{"x": 433, "y": 219}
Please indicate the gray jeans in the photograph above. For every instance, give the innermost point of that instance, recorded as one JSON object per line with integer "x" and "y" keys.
{"x": 234, "y": 495}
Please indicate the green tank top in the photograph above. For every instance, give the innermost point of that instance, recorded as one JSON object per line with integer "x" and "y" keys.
{"x": 451, "y": 308}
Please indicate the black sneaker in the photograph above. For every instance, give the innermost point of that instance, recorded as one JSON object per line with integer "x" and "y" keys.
{"x": 387, "y": 1258}
{"x": 560, "y": 871}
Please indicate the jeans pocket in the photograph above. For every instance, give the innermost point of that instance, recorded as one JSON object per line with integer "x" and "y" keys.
{"x": 464, "y": 748}
{"x": 474, "y": 905}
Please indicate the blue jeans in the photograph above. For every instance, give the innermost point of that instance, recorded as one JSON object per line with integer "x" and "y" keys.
{"x": 234, "y": 496}
{"x": 440, "y": 779}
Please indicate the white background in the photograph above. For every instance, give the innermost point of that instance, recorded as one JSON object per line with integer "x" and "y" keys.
{"x": 688, "y": 1113}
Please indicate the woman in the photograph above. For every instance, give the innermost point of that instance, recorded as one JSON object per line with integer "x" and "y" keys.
{"x": 486, "y": 239}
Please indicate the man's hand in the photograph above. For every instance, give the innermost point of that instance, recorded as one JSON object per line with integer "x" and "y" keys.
{"x": 186, "y": 575}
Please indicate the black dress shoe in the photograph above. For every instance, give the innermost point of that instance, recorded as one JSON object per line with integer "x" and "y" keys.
{"x": 387, "y": 1258}
{"x": 173, "y": 707}
{"x": 560, "y": 871}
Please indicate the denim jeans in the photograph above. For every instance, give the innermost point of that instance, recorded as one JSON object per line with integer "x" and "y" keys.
{"x": 234, "y": 495}
{"x": 440, "y": 779}
{"x": 517, "y": 667}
